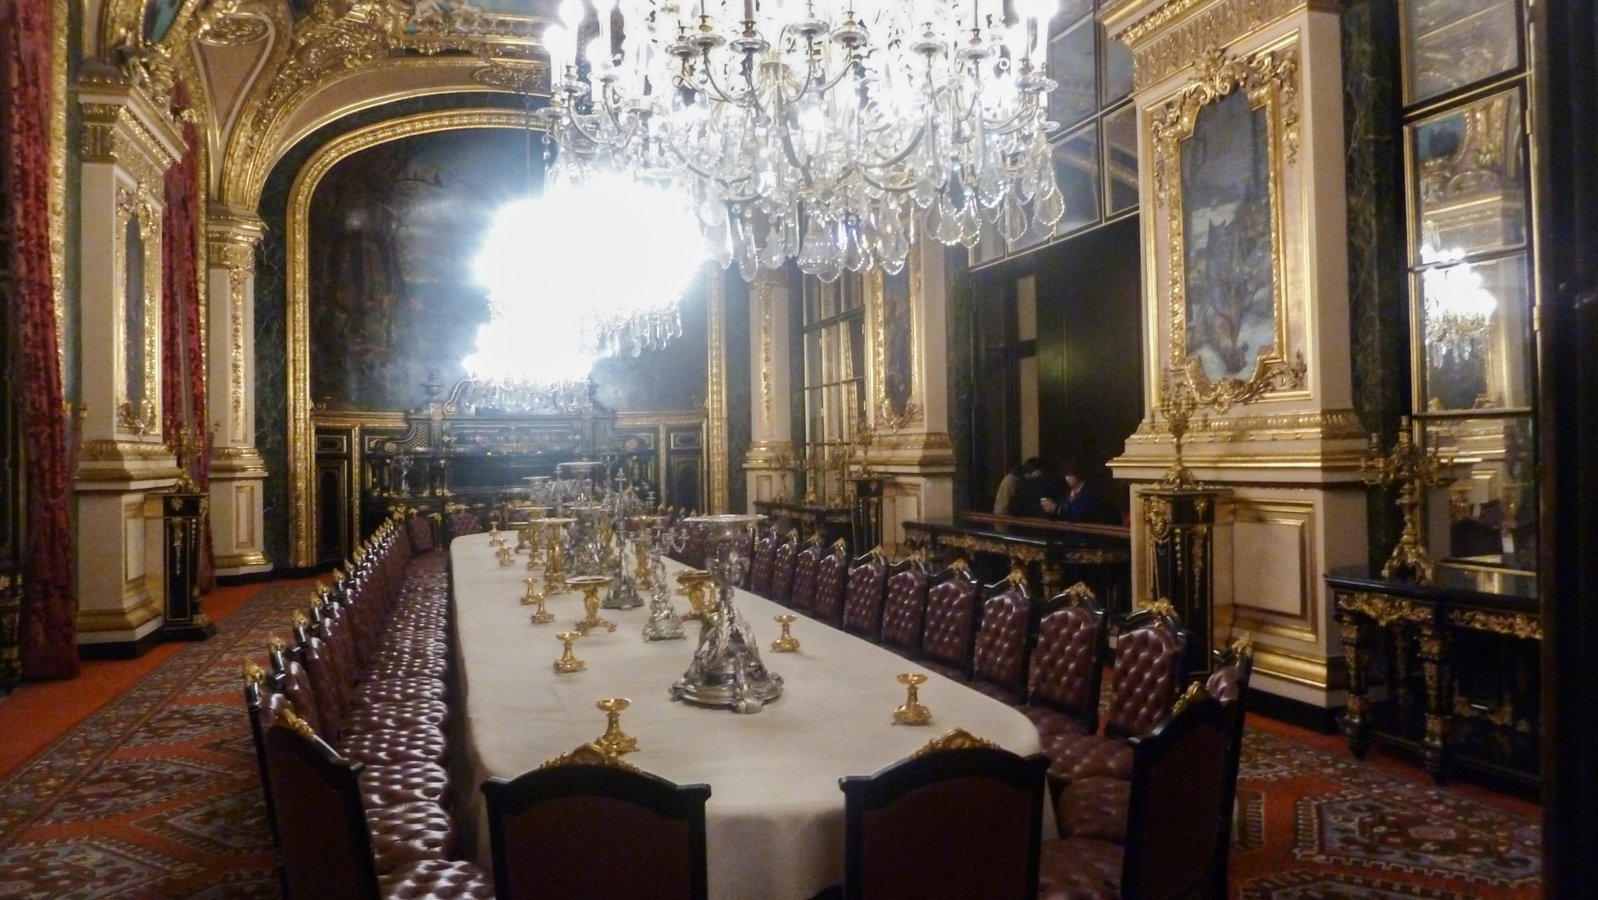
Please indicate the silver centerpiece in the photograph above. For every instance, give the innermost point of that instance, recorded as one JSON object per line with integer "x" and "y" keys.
{"x": 726, "y": 669}
{"x": 664, "y": 623}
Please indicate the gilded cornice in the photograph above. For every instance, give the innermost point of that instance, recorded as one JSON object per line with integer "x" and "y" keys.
{"x": 1171, "y": 36}
{"x": 122, "y": 125}
{"x": 1320, "y": 425}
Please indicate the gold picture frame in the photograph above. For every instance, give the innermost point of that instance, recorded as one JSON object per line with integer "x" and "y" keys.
{"x": 1219, "y": 326}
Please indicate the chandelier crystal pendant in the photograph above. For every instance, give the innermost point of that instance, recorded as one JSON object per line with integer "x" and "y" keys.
{"x": 831, "y": 131}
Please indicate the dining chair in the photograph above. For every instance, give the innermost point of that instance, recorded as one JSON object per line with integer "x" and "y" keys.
{"x": 1145, "y": 679}
{"x": 958, "y": 819}
{"x": 587, "y": 825}
{"x": 905, "y": 610}
{"x": 333, "y": 842}
{"x": 1000, "y": 650}
{"x": 782, "y": 569}
{"x": 1067, "y": 676}
{"x": 1176, "y": 800}
{"x": 951, "y": 621}
{"x": 864, "y": 596}
{"x": 827, "y": 603}
{"x": 765, "y": 560}
{"x": 802, "y": 596}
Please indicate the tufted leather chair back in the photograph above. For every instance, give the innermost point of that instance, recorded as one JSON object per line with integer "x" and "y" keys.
{"x": 1146, "y": 678}
{"x": 765, "y": 560}
{"x": 340, "y": 650}
{"x": 463, "y": 521}
{"x": 803, "y": 595}
{"x": 313, "y": 690}
{"x": 973, "y": 815}
{"x": 559, "y": 832}
{"x": 904, "y": 612}
{"x": 828, "y": 606}
{"x": 782, "y": 571}
{"x": 867, "y": 589}
{"x": 419, "y": 531}
{"x": 999, "y": 654}
{"x": 1066, "y": 674}
{"x": 951, "y": 622}
{"x": 325, "y": 845}
{"x": 1229, "y": 685}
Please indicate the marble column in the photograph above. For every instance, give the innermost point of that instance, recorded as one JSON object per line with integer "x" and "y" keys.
{"x": 237, "y": 471}
{"x": 128, "y": 142}
{"x": 769, "y": 464}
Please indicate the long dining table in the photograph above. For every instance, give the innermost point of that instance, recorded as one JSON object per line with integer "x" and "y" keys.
{"x": 775, "y": 818}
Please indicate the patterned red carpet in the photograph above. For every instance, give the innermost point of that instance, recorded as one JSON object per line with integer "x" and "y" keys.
{"x": 157, "y": 795}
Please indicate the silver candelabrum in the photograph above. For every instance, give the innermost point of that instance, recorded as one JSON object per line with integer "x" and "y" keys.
{"x": 726, "y": 670}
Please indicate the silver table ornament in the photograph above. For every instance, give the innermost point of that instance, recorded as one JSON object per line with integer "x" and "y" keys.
{"x": 726, "y": 670}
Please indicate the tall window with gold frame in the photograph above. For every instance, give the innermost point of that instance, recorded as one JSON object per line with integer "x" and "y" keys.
{"x": 833, "y": 330}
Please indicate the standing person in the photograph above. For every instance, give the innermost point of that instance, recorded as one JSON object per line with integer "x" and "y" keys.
{"x": 1008, "y": 488}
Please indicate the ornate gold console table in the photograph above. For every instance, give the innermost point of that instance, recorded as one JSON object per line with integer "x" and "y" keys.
{"x": 1401, "y": 641}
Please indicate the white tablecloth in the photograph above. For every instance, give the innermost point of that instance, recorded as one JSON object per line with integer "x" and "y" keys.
{"x": 775, "y": 816}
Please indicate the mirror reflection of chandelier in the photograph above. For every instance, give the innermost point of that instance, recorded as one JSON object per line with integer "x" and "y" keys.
{"x": 1458, "y": 306}
{"x": 829, "y": 131}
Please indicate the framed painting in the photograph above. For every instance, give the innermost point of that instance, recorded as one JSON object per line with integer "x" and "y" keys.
{"x": 1220, "y": 146}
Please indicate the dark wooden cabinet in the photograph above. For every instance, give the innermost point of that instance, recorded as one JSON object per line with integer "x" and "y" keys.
{"x": 1448, "y": 669}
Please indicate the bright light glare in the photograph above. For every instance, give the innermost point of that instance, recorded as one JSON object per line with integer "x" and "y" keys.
{"x": 560, "y": 267}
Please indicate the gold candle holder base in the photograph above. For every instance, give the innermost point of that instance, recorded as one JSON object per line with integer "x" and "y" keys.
{"x": 541, "y": 616}
{"x": 568, "y": 663}
{"x": 615, "y": 741}
{"x": 912, "y": 712}
{"x": 785, "y": 642}
{"x": 590, "y": 585}
{"x": 693, "y": 584}
{"x": 506, "y": 557}
{"x": 531, "y": 595}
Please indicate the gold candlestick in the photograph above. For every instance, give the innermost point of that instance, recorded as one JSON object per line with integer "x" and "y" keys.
{"x": 641, "y": 574}
{"x": 785, "y": 642}
{"x": 506, "y": 556}
{"x": 912, "y": 712}
{"x": 693, "y": 583}
{"x": 541, "y": 616}
{"x": 531, "y": 595}
{"x": 590, "y": 585}
{"x": 1413, "y": 469}
{"x": 614, "y": 741}
{"x": 568, "y": 663}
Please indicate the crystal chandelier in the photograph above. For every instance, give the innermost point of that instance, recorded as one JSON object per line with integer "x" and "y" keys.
{"x": 830, "y": 131}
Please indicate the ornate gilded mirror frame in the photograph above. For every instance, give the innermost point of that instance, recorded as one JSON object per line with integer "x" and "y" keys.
{"x": 895, "y": 329}
{"x": 301, "y": 445}
{"x": 1268, "y": 79}
{"x": 138, "y": 347}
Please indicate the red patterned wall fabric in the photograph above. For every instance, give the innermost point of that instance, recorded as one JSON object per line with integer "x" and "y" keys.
{"x": 48, "y": 624}
{"x": 183, "y": 347}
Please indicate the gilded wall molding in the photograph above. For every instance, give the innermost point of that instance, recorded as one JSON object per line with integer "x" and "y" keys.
{"x": 765, "y": 296}
{"x": 139, "y": 416}
{"x": 301, "y": 451}
{"x": 884, "y": 417}
{"x": 1269, "y": 80}
{"x": 1169, "y": 39}
{"x": 716, "y": 386}
{"x": 1318, "y": 425}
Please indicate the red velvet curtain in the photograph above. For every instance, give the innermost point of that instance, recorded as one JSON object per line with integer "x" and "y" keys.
{"x": 183, "y": 344}
{"x": 48, "y": 623}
